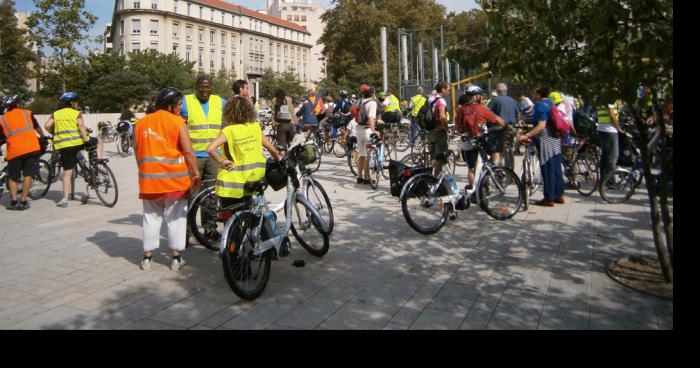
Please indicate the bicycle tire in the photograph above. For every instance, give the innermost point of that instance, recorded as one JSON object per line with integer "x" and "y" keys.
{"x": 41, "y": 182}
{"x": 317, "y": 163}
{"x": 307, "y": 225}
{"x": 403, "y": 140}
{"x": 353, "y": 156}
{"x": 525, "y": 179}
{"x": 237, "y": 259}
{"x": 103, "y": 171}
{"x": 123, "y": 145}
{"x": 626, "y": 186}
{"x": 385, "y": 162}
{"x": 485, "y": 188}
{"x": 340, "y": 149}
{"x": 328, "y": 144}
{"x": 205, "y": 195}
{"x": 374, "y": 172}
{"x": 586, "y": 181}
{"x": 322, "y": 203}
{"x": 419, "y": 187}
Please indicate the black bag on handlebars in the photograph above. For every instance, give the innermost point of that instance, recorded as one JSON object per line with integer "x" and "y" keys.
{"x": 275, "y": 174}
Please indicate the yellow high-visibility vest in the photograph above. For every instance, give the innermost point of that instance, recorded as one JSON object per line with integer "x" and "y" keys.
{"x": 418, "y": 102}
{"x": 244, "y": 143}
{"x": 66, "y": 133}
{"x": 393, "y": 104}
{"x": 203, "y": 129}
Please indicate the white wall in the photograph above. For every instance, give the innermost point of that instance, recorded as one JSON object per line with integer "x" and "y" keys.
{"x": 90, "y": 120}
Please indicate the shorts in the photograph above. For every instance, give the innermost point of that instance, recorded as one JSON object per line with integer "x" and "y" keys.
{"x": 284, "y": 127}
{"x": 496, "y": 140}
{"x": 363, "y": 140}
{"x": 25, "y": 165}
{"x": 69, "y": 155}
{"x": 470, "y": 157}
{"x": 437, "y": 142}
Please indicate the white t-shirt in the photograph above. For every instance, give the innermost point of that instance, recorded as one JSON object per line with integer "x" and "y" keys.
{"x": 371, "y": 108}
{"x": 525, "y": 103}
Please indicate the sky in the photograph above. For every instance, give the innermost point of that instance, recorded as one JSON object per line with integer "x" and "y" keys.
{"x": 103, "y": 9}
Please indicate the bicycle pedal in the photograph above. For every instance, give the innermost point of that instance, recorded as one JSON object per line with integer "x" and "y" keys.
{"x": 299, "y": 263}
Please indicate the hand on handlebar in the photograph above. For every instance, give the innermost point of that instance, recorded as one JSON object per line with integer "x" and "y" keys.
{"x": 525, "y": 139}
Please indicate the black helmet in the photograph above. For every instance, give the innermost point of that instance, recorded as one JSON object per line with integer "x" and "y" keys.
{"x": 167, "y": 96}
{"x": 68, "y": 96}
{"x": 11, "y": 99}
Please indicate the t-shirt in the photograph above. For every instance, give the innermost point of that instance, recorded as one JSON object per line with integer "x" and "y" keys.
{"x": 371, "y": 108}
{"x": 436, "y": 107}
{"x": 541, "y": 111}
{"x": 481, "y": 115}
{"x": 352, "y": 127}
{"x": 506, "y": 107}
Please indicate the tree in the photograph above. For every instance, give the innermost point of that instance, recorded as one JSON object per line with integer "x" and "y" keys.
{"x": 62, "y": 25}
{"x": 288, "y": 82}
{"x": 604, "y": 48}
{"x": 222, "y": 83}
{"x": 164, "y": 70}
{"x": 111, "y": 91}
{"x": 15, "y": 52}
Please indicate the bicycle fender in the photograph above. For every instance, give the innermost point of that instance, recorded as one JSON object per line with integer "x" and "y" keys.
{"x": 409, "y": 183}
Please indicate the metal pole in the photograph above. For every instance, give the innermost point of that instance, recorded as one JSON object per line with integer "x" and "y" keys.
{"x": 404, "y": 53}
{"x": 398, "y": 64}
{"x": 385, "y": 71}
{"x": 442, "y": 51}
{"x": 421, "y": 62}
{"x": 448, "y": 71}
{"x": 436, "y": 65}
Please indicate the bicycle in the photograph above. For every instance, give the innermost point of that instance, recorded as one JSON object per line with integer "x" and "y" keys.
{"x": 439, "y": 196}
{"x": 108, "y": 132}
{"x": 530, "y": 173}
{"x": 582, "y": 172}
{"x": 39, "y": 186}
{"x": 377, "y": 154}
{"x": 95, "y": 172}
{"x": 422, "y": 157}
{"x": 312, "y": 135}
{"x": 252, "y": 238}
{"x": 125, "y": 139}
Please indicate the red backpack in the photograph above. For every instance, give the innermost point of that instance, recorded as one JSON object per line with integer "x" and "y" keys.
{"x": 557, "y": 118}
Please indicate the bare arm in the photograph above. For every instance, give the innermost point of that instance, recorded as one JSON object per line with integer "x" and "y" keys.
{"x": 185, "y": 146}
{"x": 535, "y": 131}
{"x": 270, "y": 148}
{"x": 83, "y": 131}
{"x": 613, "y": 118}
{"x": 49, "y": 125}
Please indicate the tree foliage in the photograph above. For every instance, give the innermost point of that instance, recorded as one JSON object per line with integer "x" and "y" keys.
{"x": 287, "y": 81}
{"x": 15, "y": 52}
{"x": 164, "y": 70}
{"x": 222, "y": 83}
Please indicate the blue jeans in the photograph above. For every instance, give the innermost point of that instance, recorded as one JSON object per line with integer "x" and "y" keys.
{"x": 609, "y": 151}
{"x": 414, "y": 128}
{"x": 553, "y": 178}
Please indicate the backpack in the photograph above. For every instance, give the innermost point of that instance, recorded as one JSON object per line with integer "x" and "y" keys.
{"x": 557, "y": 118}
{"x": 359, "y": 111}
{"x": 284, "y": 115}
{"x": 584, "y": 122}
{"x": 469, "y": 121}
{"x": 426, "y": 120}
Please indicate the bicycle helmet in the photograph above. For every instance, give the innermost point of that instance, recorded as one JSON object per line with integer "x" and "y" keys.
{"x": 474, "y": 90}
{"x": 68, "y": 97}
{"x": 167, "y": 96}
{"x": 343, "y": 93}
{"x": 11, "y": 99}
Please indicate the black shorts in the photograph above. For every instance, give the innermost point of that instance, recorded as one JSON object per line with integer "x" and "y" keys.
{"x": 470, "y": 157}
{"x": 69, "y": 155}
{"x": 495, "y": 138}
{"x": 25, "y": 165}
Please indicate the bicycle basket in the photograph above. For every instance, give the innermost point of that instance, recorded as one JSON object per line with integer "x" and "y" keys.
{"x": 306, "y": 155}
{"x": 275, "y": 174}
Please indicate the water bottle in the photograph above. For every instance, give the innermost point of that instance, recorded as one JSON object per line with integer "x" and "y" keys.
{"x": 271, "y": 223}
{"x": 453, "y": 185}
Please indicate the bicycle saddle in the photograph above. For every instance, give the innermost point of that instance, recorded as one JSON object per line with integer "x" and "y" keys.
{"x": 255, "y": 186}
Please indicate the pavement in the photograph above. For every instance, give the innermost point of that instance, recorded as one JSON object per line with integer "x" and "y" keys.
{"x": 78, "y": 268}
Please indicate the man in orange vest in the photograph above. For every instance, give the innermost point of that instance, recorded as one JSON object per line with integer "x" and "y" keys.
{"x": 167, "y": 171}
{"x": 19, "y": 130}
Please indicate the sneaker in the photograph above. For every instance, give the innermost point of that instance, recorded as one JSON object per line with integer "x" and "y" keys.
{"x": 544, "y": 203}
{"x": 360, "y": 181}
{"x": 22, "y": 206}
{"x": 63, "y": 203}
{"x": 176, "y": 265}
{"x": 559, "y": 200}
{"x": 146, "y": 263}
{"x": 12, "y": 206}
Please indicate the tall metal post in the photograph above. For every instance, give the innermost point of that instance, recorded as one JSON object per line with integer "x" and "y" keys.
{"x": 436, "y": 65}
{"x": 421, "y": 62}
{"x": 404, "y": 54}
{"x": 385, "y": 69}
{"x": 442, "y": 50}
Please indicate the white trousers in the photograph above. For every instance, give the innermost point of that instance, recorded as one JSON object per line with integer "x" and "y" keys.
{"x": 175, "y": 214}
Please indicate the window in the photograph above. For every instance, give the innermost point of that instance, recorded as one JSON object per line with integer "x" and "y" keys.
{"x": 201, "y": 12}
{"x": 212, "y": 37}
{"x": 154, "y": 4}
{"x": 285, "y": 51}
{"x": 175, "y": 6}
{"x": 223, "y": 60}
{"x": 201, "y": 35}
{"x": 176, "y": 29}
{"x": 233, "y": 61}
{"x": 223, "y": 18}
{"x": 271, "y": 49}
{"x": 289, "y": 17}
{"x": 154, "y": 27}
{"x": 296, "y": 18}
{"x": 121, "y": 28}
{"x": 212, "y": 58}
{"x": 303, "y": 18}
{"x": 154, "y": 45}
{"x": 121, "y": 4}
{"x": 188, "y": 33}
{"x": 189, "y": 9}
{"x": 211, "y": 15}
{"x": 176, "y": 49}
{"x": 188, "y": 54}
{"x": 135, "y": 26}
{"x": 136, "y": 47}
{"x": 233, "y": 41}
{"x": 137, "y": 4}
{"x": 223, "y": 40}
{"x": 201, "y": 58}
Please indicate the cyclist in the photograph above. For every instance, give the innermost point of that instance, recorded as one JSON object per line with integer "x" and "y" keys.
{"x": 608, "y": 128}
{"x": 284, "y": 120}
{"x": 471, "y": 118}
{"x": 437, "y": 138}
{"x": 507, "y": 108}
{"x": 69, "y": 137}
{"x": 243, "y": 161}
{"x": 306, "y": 111}
{"x": 19, "y": 129}
{"x": 167, "y": 171}
{"x": 366, "y": 126}
{"x": 392, "y": 108}
{"x": 415, "y": 105}
{"x": 203, "y": 112}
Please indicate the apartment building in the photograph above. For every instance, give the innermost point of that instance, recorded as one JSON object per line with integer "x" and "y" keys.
{"x": 215, "y": 34}
{"x": 308, "y": 15}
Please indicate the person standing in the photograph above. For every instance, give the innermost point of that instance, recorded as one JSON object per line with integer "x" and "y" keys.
{"x": 241, "y": 88}
{"x": 415, "y": 105}
{"x": 167, "y": 172}
{"x": 366, "y": 126}
{"x": 507, "y": 108}
{"x": 203, "y": 113}
{"x": 283, "y": 117}
{"x": 549, "y": 149}
{"x": 19, "y": 129}
{"x": 69, "y": 137}
{"x": 437, "y": 138}
{"x": 607, "y": 129}
{"x": 392, "y": 109}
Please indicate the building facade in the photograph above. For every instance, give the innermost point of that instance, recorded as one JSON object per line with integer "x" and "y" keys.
{"x": 307, "y": 15}
{"x": 215, "y": 34}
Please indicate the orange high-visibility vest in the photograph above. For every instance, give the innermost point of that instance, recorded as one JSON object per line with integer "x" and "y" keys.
{"x": 162, "y": 167}
{"x": 20, "y": 134}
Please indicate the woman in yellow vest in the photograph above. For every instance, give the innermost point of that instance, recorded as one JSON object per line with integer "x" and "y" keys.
{"x": 243, "y": 159}
{"x": 69, "y": 137}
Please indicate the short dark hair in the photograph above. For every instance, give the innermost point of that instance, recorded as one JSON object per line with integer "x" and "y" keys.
{"x": 203, "y": 77}
{"x": 542, "y": 91}
{"x": 237, "y": 86}
{"x": 369, "y": 92}
{"x": 441, "y": 85}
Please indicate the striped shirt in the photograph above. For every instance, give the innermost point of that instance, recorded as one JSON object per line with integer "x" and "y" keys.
{"x": 548, "y": 145}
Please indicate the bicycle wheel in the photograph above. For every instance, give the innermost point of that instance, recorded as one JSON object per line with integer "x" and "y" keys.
{"x": 451, "y": 164}
{"x": 385, "y": 162}
{"x": 314, "y": 166}
{"x": 340, "y": 148}
{"x": 586, "y": 180}
{"x": 106, "y": 185}
{"x": 207, "y": 236}
{"x": 246, "y": 273}
{"x": 525, "y": 179}
{"x": 123, "y": 145}
{"x": 352, "y": 160}
{"x": 315, "y": 193}
{"x": 328, "y": 143}
{"x": 308, "y": 231}
{"x": 536, "y": 180}
{"x": 500, "y": 193}
{"x": 411, "y": 159}
{"x": 374, "y": 171}
{"x": 402, "y": 139}
{"x": 41, "y": 181}
{"x": 421, "y": 206}
{"x": 617, "y": 186}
